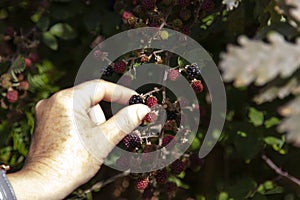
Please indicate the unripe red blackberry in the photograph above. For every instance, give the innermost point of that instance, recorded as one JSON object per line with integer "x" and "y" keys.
{"x": 193, "y": 70}
{"x": 12, "y": 96}
{"x": 132, "y": 141}
{"x": 161, "y": 176}
{"x": 148, "y": 4}
{"x": 28, "y": 62}
{"x": 197, "y": 86}
{"x": 151, "y": 101}
{"x": 135, "y": 99}
{"x": 119, "y": 67}
{"x": 173, "y": 74}
{"x": 150, "y": 117}
{"x": 24, "y": 85}
{"x": 177, "y": 166}
{"x": 167, "y": 139}
{"x": 142, "y": 183}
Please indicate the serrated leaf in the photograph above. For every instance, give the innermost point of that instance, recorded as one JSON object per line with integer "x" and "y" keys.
{"x": 294, "y": 9}
{"x": 256, "y": 117}
{"x": 63, "y": 31}
{"x": 50, "y": 41}
{"x": 291, "y": 124}
{"x": 17, "y": 66}
{"x": 271, "y": 93}
{"x": 260, "y": 62}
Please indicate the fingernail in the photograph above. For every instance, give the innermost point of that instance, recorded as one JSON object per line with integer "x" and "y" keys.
{"x": 142, "y": 111}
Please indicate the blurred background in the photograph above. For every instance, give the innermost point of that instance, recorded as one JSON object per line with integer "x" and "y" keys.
{"x": 254, "y": 43}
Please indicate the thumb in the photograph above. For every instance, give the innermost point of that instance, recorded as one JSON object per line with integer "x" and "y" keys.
{"x": 122, "y": 123}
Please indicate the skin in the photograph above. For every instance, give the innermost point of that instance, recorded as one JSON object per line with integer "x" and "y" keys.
{"x": 58, "y": 161}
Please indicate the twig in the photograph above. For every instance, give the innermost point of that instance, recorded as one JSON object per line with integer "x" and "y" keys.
{"x": 101, "y": 184}
{"x": 279, "y": 171}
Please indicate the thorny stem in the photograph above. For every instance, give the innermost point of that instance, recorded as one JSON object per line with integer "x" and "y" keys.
{"x": 101, "y": 184}
{"x": 279, "y": 171}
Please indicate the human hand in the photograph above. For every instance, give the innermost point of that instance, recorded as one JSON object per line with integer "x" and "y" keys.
{"x": 58, "y": 161}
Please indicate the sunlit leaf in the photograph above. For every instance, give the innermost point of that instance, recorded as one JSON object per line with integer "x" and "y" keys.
{"x": 291, "y": 124}
{"x": 50, "y": 41}
{"x": 256, "y": 117}
{"x": 63, "y": 31}
{"x": 260, "y": 62}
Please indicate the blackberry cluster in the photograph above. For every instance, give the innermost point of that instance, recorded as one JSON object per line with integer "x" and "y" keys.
{"x": 135, "y": 99}
{"x": 132, "y": 141}
{"x": 193, "y": 70}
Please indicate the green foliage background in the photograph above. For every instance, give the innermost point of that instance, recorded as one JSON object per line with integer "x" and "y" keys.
{"x": 62, "y": 32}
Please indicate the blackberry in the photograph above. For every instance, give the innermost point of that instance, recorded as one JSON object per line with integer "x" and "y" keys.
{"x": 135, "y": 99}
{"x": 12, "y": 96}
{"x": 208, "y": 5}
{"x": 177, "y": 166}
{"x": 132, "y": 141}
{"x": 171, "y": 115}
{"x": 167, "y": 139}
{"x": 148, "y": 4}
{"x": 197, "y": 86}
{"x": 161, "y": 176}
{"x": 119, "y": 67}
{"x": 150, "y": 117}
{"x": 28, "y": 62}
{"x": 173, "y": 74}
{"x": 151, "y": 101}
{"x": 193, "y": 70}
{"x": 108, "y": 71}
{"x": 148, "y": 193}
{"x": 170, "y": 187}
{"x": 142, "y": 183}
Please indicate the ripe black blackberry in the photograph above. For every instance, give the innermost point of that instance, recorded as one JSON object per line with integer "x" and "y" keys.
{"x": 171, "y": 115}
{"x": 135, "y": 99}
{"x": 193, "y": 70}
{"x": 132, "y": 141}
{"x": 108, "y": 71}
{"x": 177, "y": 166}
{"x": 161, "y": 176}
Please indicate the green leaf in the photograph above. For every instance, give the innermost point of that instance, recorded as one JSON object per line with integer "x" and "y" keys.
{"x": 273, "y": 121}
{"x": 50, "y": 41}
{"x": 270, "y": 140}
{"x": 17, "y": 66}
{"x": 3, "y": 14}
{"x": 63, "y": 31}
{"x": 256, "y": 117}
{"x": 178, "y": 182}
{"x": 43, "y": 23}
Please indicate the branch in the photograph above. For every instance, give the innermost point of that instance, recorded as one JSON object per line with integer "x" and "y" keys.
{"x": 101, "y": 184}
{"x": 279, "y": 171}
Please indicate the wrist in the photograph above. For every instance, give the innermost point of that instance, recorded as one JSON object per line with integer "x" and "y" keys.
{"x": 27, "y": 185}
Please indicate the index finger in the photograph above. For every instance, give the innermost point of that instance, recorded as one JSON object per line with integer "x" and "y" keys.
{"x": 92, "y": 92}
